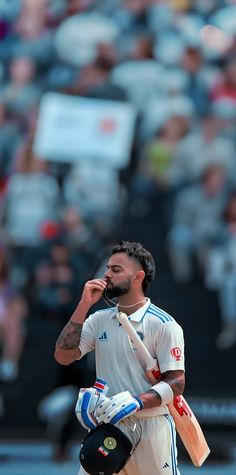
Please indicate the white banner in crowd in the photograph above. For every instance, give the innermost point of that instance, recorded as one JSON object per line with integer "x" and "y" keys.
{"x": 72, "y": 128}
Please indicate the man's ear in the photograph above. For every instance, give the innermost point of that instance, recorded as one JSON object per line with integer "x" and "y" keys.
{"x": 140, "y": 276}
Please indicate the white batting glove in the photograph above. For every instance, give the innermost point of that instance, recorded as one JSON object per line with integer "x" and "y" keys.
{"x": 116, "y": 408}
{"x": 88, "y": 400}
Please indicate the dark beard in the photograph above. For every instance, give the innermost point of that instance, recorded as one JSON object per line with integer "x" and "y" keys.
{"x": 117, "y": 291}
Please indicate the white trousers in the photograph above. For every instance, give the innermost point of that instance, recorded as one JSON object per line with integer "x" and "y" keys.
{"x": 156, "y": 453}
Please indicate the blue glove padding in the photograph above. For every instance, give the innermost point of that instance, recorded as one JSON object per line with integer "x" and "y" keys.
{"x": 118, "y": 407}
{"x": 88, "y": 400}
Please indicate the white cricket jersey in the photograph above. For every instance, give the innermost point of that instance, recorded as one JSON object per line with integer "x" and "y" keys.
{"x": 116, "y": 358}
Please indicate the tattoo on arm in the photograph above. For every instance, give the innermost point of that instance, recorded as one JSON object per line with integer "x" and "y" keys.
{"x": 69, "y": 338}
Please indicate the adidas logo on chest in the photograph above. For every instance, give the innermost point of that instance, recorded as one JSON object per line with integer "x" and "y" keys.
{"x": 103, "y": 337}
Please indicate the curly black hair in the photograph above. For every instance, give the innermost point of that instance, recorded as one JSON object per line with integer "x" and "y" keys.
{"x": 136, "y": 251}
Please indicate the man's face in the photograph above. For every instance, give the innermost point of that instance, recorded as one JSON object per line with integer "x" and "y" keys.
{"x": 120, "y": 274}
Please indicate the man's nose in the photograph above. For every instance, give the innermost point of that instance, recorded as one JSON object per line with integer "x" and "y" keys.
{"x": 107, "y": 274}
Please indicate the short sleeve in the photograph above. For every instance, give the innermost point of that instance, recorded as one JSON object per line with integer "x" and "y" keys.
{"x": 170, "y": 347}
{"x": 87, "y": 341}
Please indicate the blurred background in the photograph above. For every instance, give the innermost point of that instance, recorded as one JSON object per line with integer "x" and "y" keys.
{"x": 117, "y": 121}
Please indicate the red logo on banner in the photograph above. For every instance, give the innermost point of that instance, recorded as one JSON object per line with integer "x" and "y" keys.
{"x": 176, "y": 353}
{"x": 108, "y": 125}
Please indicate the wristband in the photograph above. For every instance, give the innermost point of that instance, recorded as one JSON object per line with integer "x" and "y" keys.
{"x": 139, "y": 401}
{"x": 164, "y": 391}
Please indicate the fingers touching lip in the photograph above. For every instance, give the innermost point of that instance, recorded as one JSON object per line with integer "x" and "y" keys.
{"x": 109, "y": 283}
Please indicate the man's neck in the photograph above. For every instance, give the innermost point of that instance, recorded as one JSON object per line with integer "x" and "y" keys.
{"x": 131, "y": 306}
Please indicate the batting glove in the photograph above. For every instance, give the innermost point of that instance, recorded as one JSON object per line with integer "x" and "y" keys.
{"x": 88, "y": 400}
{"x": 116, "y": 408}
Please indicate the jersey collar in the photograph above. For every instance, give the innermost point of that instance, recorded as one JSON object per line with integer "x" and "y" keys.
{"x": 139, "y": 314}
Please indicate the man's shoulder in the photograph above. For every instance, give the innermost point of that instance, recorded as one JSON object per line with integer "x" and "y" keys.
{"x": 107, "y": 312}
{"x": 160, "y": 317}
{"x": 159, "y": 314}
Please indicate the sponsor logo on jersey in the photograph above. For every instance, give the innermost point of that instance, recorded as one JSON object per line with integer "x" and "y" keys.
{"x": 176, "y": 353}
{"x": 103, "y": 337}
{"x": 110, "y": 443}
{"x": 166, "y": 465}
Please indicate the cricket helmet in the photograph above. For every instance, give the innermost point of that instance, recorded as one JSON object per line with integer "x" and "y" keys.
{"x": 107, "y": 448}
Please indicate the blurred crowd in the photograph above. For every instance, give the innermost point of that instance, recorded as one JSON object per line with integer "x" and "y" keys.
{"x": 175, "y": 62}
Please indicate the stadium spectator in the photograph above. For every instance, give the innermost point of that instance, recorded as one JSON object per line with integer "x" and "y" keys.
{"x": 80, "y": 237}
{"x": 203, "y": 146}
{"x": 152, "y": 180}
{"x": 196, "y": 223}
{"x": 13, "y": 311}
{"x": 21, "y": 93}
{"x": 31, "y": 36}
{"x": 32, "y": 197}
{"x": 94, "y": 189}
{"x": 226, "y": 87}
{"x": 9, "y": 140}
{"x": 158, "y": 154}
{"x": 221, "y": 274}
{"x": 31, "y": 209}
{"x": 55, "y": 283}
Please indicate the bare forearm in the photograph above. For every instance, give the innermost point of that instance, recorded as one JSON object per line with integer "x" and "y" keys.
{"x": 176, "y": 381}
{"x": 150, "y": 399}
{"x": 67, "y": 345}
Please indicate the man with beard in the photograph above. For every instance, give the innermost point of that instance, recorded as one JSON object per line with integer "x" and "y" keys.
{"x": 130, "y": 270}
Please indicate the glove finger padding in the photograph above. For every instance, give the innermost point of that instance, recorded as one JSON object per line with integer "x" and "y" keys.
{"x": 117, "y": 408}
{"x": 87, "y": 402}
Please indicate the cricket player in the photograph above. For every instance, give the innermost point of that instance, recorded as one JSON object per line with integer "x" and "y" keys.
{"x": 130, "y": 270}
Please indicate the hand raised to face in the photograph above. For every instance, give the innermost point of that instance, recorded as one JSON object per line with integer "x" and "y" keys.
{"x": 93, "y": 291}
